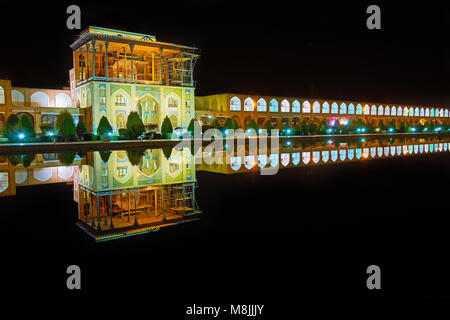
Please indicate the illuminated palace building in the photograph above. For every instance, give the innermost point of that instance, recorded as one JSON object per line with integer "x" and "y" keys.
{"x": 116, "y": 72}
{"x": 289, "y": 111}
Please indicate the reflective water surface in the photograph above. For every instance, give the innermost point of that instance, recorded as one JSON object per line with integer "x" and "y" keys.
{"x": 122, "y": 193}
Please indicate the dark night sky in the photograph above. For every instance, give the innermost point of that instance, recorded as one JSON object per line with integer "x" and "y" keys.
{"x": 272, "y": 48}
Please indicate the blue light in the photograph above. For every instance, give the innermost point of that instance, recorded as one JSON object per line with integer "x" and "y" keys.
{"x": 362, "y": 140}
{"x": 329, "y": 130}
{"x": 330, "y": 141}
{"x": 288, "y": 130}
{"x": 110, "y": 134}
{"x": 413, "y": 129}
{"x": 50, "y": 133}
{"x": 363, "y": 130}
{"x": 358, "y": 130}
{"x": 391, "y": 130}
{"x": 21, "y": 136}
{"x": 288, "y": 143}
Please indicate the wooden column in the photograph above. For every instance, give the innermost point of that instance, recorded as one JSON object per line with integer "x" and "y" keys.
{"x": 132, "y": 67}
{"x": 106, "y": 58}
{"x": 93, "y": 59}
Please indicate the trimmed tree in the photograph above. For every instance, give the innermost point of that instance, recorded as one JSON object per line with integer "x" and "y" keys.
{"x": 166, "y": 128}
{"x": 10, "y": 130}
{"x": 66, "y": 158}
{"x": 61, "y": 117}
{"x": 323, "y": 127}
{"x": 103, "y": 126}
{"x": 192, "y": 125}
{"x": 26, "y": 127}
{"x": 252, "y": 125}
{"x": 135, "y": 155}
{"x": 81, "y": 128}
{"x": 215, "y": 123}
{"x": 67, "y": 130}
{"x": 135, "y": 126}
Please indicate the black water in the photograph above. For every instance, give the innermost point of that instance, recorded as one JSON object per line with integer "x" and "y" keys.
{"x": 305, "y": 232}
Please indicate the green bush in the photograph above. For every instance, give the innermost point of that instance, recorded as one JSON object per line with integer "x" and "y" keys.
{"x": 135, "y": 155}
{"x": 60, "y": 119}
{"x": 215, "y": 123}
{"x": 67, "y": 129}
{"x": 166, "y": 128}
{"x": 268, "y": 126}
{"x": 252, "y": 125}
{"x": 10, "y": 130}
{"x": 26, "y": 127}
{"x": 123, "y": 132}
{"x": 104, "y": 155}
{"x": 66, "y": 158}
{"x": 135, "y": 126}
{"x": 104, "y": 127}
{"x": 193, "y": 124}
{"x": 81, "y": 129}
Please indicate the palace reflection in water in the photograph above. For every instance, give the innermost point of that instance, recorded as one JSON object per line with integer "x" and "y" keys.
{"x": 123, "y": 193}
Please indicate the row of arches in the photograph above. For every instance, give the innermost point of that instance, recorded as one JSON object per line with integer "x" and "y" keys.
{"x": 325, "y": 108}
{"x": 41, "y": 99}
{"x": 330, "y": 156}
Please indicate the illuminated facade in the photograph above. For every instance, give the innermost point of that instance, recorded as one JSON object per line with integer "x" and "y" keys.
{"x": 290, "y": 111}
{"x": 44, "y": 169}
{"x": 320, "y": 153}
{"x": 135, "y": 192}
{"x": 116, "y": 72}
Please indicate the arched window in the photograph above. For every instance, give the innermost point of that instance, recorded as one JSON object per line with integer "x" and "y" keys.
{"x": 284, "y": 106}
{"x": 441, "y": 113}
{"x": 2, "y": 95}
{"x": 427, "y": 112}
{"x": 343, "y": 108}
{"x": 62, "y": 100}
{"x": 406, "y": 111}
{"x": 373, "y": 111}
{"x": 334, "y": 107}
{"x": 249, "y": 104}
{"x": 393, "y": 111}
{"x": 416, "y": 112}
{"x": 172, "y": 102}
{"x": 235, "y": 104}
{"x": 380, "y": 110}
{"x": 48, "y": 120}
{"x": 399, "y": 111}
{"x": 214, "y": 105}
{"x": 387, "y": 111}
{"x": 351, "y": 109}
{"x": 446, "y": 113}
{"x": 262, "y": 105}
{"x": 358, "y": 109}
{"x": 411, "y": 112}
{"x": 295, "y": 106}
{"x": 120, "y": 100}
{"x": 273, "y": 105}
{"x": 18, "y": 98}
{"x": 366, "y": 109}
{"x": 316, "y": 107}
{"x": 121, "y": 121}
{"x": 325, "y": 107}
{"x": 422, "y": 112}
{"x": 306, "y": 107}
{"x": 432, "y": 112}
{"x": 39, "y": 99}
